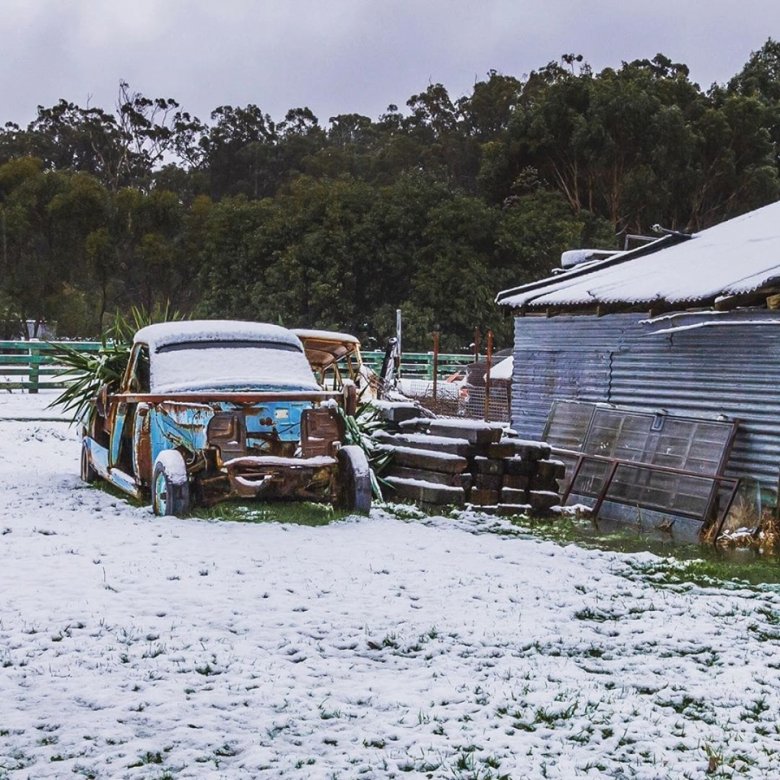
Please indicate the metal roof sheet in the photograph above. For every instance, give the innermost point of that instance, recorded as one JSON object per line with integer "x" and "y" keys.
{"x": 735, "y": 257}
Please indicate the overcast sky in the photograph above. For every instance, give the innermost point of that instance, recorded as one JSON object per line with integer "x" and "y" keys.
{"x": 343, "y": 56}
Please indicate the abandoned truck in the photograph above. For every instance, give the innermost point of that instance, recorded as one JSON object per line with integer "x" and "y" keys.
{"x": 212, "y": 410}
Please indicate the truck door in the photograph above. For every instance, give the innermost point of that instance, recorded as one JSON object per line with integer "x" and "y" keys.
{"x": 135, "y": 380}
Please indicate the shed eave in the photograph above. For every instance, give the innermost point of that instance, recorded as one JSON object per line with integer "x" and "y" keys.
{"x": 600, "y": 308}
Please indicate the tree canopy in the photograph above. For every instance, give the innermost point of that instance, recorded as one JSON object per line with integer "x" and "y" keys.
{"x": 430, "y": 209}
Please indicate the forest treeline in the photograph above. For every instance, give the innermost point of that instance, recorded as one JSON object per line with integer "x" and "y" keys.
{"x": 432, "y": 208}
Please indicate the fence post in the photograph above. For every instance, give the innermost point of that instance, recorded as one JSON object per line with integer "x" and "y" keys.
{"x": 35, "y": 362}
{"x": 435, "y": 362}
{"x": 398, "y": 343}
{"x": 487, "y": 374}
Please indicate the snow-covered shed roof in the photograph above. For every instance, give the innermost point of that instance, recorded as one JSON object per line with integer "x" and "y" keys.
{"x": 733, "y": 258}
{"x": 184, "y": 331}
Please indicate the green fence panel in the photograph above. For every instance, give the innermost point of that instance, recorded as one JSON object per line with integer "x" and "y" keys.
{"x": 37, "y": 363}
{"x": 31, "y": 365}
{"x": 419, "y": 365}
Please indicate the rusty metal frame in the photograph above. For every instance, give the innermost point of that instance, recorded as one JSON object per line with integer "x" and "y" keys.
{"x": 615, "y": 463}
{"x": 240, "y": 398}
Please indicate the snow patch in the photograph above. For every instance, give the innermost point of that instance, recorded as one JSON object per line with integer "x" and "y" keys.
{"x": 135, "y": 646}
{"x": 173, "y": 463}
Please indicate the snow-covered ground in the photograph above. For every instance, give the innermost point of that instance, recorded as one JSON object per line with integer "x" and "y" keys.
{"x": 133, "y": 646}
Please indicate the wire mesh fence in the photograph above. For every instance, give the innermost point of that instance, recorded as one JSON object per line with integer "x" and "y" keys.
{"x": 459, "y": 400}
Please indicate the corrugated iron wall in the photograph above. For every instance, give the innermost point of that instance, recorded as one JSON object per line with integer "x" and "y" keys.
{"x": 731, "y": 369}
{"x": 562, "y": 357}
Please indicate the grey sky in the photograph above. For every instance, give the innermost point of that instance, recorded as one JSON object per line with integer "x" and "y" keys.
{"x": 340, "y": 56}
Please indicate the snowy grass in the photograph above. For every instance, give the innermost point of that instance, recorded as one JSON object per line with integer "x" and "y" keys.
{"x": 391, "y": 646}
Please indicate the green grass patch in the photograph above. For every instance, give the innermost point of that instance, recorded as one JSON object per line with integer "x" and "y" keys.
{"x": 290, "y": 512}
{"x": 709, "y": 571}
{"x": 696, "y": 564}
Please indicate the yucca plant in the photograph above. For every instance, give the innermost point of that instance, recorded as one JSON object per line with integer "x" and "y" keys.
{"x": 87, "y": 372}
{"x": 358, "y": 429}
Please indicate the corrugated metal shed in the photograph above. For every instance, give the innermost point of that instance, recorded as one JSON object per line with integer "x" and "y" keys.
{"x": 700, "y": 364}
{"x": 559, "y": 358}
{"x": 736, "y": 257}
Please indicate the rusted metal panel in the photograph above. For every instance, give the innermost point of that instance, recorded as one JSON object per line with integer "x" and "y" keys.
{"x": 227, "y": 432}
{"x": 278, "y": 477}
{"x": 142, "y": 443}
{"x": 321, "y": 430}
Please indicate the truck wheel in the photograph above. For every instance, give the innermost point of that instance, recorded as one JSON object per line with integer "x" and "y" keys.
{"x": 170, "y": 485}
{"x": 354, "y": 480}
{"x": 88, "y": 473}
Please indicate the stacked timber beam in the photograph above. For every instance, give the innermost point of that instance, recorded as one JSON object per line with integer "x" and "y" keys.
{"x": 438, "y": 461}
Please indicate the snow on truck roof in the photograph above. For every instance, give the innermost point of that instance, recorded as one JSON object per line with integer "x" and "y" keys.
{"x": 241, "y": 356}
{"x": 735, "y": 257}
{"x": 184, "y": 331}
{"x": 324, "y": 335}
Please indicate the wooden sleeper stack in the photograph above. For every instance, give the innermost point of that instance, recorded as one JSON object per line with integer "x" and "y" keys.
{"x": 450, "y": 461}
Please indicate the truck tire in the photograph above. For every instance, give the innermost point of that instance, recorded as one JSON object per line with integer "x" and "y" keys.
{"x": 354, "y": 476}
{"x": 88, "y": 473}
{"x": 170, "y": 485}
